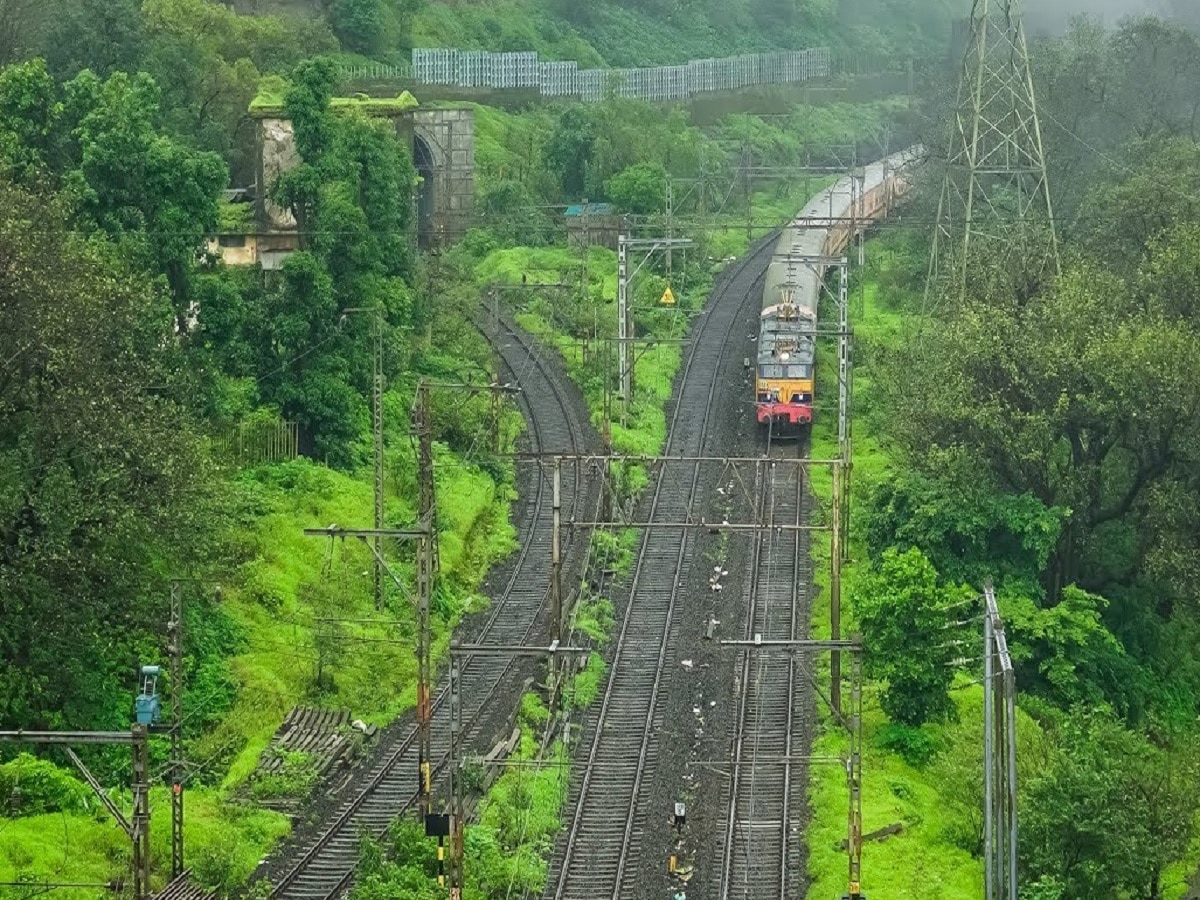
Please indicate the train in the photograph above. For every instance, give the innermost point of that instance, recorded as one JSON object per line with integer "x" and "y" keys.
{"x": 785, "y": 376}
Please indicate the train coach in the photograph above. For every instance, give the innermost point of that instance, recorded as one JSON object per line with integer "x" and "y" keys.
{"x": 784, "y": 383}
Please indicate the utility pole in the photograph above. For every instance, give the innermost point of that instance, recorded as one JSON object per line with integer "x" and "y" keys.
{"x": 625, "y": 276}
{"x": 854, "y": 775}
{"x": 995, "y": 184}
{"x": 845, "y": 337}
{"x": 999, "y": 757}
{"x": 457, "y": 783}
{"x": 670, "y": 226}
{"x": 495, "y": 415}
{"x": 141, "y": 813}
{"x": 454, "y": 873}
{"x": 624, "y": 375}
{"x": 835, "y": 590}
{"x": 748, "y": 168}
{"x": 426, "y": 548}
{"x": 137, "y": 826}
{"x": 556, "y": 596}
{"x": 587, "y": 251}
{"x": 425, "y": 537}
{"x": 377, "y": 428}
{"x": 377, "y": 384}
{"x": 175, "y": 651}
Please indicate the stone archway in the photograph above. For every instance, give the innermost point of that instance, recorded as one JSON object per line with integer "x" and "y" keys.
{"x": 444, "y": 139}
{"x": 443, "y": 142}
{"x": 427, "y": 193}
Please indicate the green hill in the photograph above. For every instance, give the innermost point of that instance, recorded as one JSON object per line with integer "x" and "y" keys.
{"x": 631, "y": 32}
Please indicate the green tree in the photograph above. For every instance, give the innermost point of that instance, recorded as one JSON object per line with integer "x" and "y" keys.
{"x": 1146, "y": 197}
{"x": 568, "y": 149}
{"x": 359, "y": 24}
{"x": 904, "y": 615}
{"x": 308, "y": 358}
{"x": 30, "y": 110}
{"x": 137, "y": 184}
{"x": 20, "y": 22}
{"x": 1109, "y": 812}
{"x": 103, "y": 36}
{"x": 641, "y": 189}
{"x": 1089, "y": 408}
{"x": 351, "y": 195}
{"x": 102, "y": 482}
{"x": 968, "y": 531}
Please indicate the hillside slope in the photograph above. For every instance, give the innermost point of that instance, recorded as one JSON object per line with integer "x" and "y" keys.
{"x": 632, "y": 32}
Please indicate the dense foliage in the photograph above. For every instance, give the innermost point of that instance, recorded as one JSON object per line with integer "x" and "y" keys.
{"x": 1046, "y": 436}
{"x": 104, "y": 479}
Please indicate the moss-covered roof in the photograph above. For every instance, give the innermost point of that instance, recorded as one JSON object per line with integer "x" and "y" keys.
{"x": 271, "y": 92}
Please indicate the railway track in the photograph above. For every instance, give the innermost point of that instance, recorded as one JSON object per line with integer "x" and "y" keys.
{"x": 597, "y": 855}
{"x": 324, "y": 866}
{"x": 763, "y": 852}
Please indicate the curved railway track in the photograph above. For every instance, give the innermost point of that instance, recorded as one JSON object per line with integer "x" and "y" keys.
{"x": 596, "y": 856}
{"x": 324, "y": 867}
{"x": 763, "y": 851}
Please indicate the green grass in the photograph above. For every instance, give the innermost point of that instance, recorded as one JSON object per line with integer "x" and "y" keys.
{"x": 272, "y": 91}
{"x": 627, "y": 34}
{"x": 224, "y": 843}
{"x": 504, "y": 25}
{"x": 919, "y": 862}
{"x": 283, "y": 583}
{"x": 290, "y": 580}
{"x": 916, "y": 863}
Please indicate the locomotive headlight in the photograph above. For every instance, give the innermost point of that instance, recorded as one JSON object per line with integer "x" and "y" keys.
{"x": 785, "y": 356}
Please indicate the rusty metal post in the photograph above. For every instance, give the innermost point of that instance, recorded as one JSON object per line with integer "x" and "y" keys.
{"x": 175, "y": 650}
{"x": 854, "y": 773}
{"x": 835, "y": 591}
{"x": 141, "y": 813}
{"x": 425, "y": 567}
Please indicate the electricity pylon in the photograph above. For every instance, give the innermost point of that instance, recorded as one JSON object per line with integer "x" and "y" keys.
{"x": 995, "y": 191}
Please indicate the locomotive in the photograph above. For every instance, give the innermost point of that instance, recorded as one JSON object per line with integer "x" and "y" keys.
{"x": 784, "y": 385}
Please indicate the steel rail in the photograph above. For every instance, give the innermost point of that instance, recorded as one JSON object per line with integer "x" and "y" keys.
{"x": 739, "y": 876}
{"x": 611, "y": 820}
{"x": 333, "y": 876}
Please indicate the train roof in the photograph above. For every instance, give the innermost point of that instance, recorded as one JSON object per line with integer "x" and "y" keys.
{"x": 794, "y": 336}
{"x": 806, "y": 234}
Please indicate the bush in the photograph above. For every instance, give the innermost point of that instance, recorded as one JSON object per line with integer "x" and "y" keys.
{"x": 905, "y": 615}
{"x": 916, "y": 745}
{"x": 33, "y": 786}
{"x": 295, "y": 778}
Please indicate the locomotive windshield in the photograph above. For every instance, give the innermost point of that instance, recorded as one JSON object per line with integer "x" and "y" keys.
{"x": 778, "y": 370}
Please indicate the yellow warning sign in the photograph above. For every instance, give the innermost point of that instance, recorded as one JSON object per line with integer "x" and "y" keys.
{"x": 668, "y": 299}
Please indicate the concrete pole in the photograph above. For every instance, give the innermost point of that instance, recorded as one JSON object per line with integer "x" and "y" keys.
{"x": 457, "y": 786}
{"x": 835, "y": 593}
{"x": 556, "y": 597}
{"x": 854, "y": 774}
{"x": 377, "y": 429}
{"x": 844, "y": 398}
